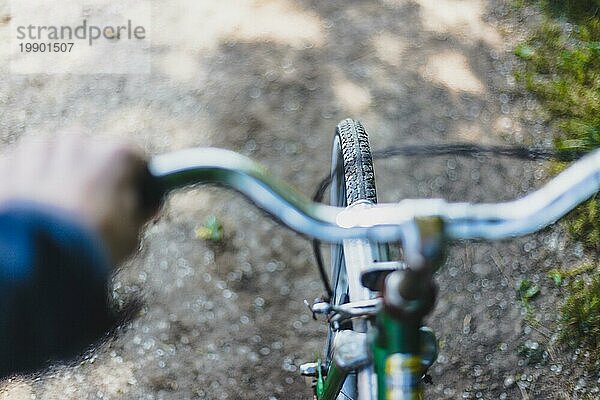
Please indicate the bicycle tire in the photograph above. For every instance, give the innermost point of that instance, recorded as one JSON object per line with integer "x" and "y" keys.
{"x": 353, "y": 180}
{"x": 358, "y": 162}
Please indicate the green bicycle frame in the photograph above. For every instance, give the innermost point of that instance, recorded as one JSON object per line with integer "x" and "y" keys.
{"x": 396, "y": 349}
{"x": 328, "y": 388}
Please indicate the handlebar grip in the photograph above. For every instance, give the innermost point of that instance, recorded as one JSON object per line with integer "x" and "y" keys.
{"x": 151, "y": 192}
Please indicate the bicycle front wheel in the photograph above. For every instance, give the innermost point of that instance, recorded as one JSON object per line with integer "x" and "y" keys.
{"x": 353, "y": 180}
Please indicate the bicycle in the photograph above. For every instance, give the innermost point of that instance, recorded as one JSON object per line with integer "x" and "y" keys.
{"x": 377, "y": 346}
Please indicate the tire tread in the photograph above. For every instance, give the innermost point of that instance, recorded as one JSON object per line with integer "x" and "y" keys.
{"x": 359, "y": 174}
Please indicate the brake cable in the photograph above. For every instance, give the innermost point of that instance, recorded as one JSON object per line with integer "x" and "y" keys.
{"x": 456, "y": 149}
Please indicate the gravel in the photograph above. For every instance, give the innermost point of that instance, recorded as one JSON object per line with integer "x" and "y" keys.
{"x": 227, "y": 320}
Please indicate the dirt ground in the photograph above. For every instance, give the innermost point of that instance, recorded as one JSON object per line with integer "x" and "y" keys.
{"x": 271, "y": 79}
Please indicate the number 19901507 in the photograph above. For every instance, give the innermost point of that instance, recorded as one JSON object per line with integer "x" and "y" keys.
{"x": 46, "y": 47}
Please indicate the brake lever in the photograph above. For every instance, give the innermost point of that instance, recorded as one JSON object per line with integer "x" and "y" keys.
{"x": 357, "y": 309}
{"x": 337, "y": 314}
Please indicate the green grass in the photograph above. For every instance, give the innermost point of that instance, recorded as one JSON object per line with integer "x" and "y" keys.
{"x": 211, "y": 230}
{"x": 575, "y": 10}
{"x": 562, "y": 68}
{"x": 581, "y": 317}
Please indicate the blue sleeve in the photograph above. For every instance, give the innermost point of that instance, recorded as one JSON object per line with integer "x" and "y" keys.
{"x": 53, "y": 277}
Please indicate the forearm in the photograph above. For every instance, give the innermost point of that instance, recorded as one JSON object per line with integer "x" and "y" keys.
{"x": 53, "y": 275}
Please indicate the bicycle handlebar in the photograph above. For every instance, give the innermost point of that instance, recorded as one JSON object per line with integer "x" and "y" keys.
{"x": 380, "y": 222}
